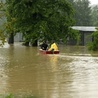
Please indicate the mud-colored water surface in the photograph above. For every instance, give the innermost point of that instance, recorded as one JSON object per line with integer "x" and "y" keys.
{"x": 71, "y": 74}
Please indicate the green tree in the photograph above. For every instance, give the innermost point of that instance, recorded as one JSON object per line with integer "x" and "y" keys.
{"x": 71, "y": 1}
{"x": 2, "y": 21}
{"x": 82, "y": 12}
{"x": 94, "y": 15}
{"x": 45, "y": 19}
{"x": 94, "y": 45}
{"x": 6, "y": 27}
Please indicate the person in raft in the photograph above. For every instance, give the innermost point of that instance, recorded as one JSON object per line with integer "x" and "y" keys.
{"x": 53, "y": 47}
{"x": 44, "y": 45}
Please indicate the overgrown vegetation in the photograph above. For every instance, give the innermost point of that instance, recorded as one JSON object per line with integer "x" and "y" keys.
{"x": 2, "y": 22}
{"x": 42, "y": 19}
{"x": 94, "y": 45}
{"x": 17, "y": 96}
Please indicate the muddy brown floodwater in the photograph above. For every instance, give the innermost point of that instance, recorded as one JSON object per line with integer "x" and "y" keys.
{"x": 71, "y": 74}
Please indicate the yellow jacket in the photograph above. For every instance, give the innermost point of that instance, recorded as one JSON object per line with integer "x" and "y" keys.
{"x": 53, "y": 46}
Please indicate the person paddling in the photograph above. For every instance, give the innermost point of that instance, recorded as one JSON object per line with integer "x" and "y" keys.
{"x": 44, "y": 46}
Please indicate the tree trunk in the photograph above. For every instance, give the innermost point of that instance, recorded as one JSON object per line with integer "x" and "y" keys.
{"x": 11, "y": 39}
{"x": 26, "y": 43}
{"x": 35, "y": 43}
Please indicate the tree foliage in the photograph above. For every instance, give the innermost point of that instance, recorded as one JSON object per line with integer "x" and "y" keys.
{"x": 94, "y": 14}
{"x": 82, "y": 12}
{"x": 48, "y": 19}
{"x": 94, "y": 45}
{"x": 2, "y": 22}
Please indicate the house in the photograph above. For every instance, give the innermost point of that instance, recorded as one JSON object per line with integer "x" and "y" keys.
{"x": 85, "y": 34}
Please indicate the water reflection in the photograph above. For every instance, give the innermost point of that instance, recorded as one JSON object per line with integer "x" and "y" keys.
{"x": 53, "y": 62}
{"x": 72, "y": 74}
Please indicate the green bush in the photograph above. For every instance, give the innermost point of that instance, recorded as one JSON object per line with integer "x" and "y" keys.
{"x": 94, "y": 45}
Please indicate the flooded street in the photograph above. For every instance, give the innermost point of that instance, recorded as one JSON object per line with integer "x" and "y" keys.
{"x": 71, "y": 74}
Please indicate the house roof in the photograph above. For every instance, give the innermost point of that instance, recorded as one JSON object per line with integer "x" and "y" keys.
{"x": 84, "y": 28}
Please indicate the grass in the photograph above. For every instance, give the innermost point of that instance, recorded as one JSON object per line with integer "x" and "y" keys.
{"x": 17, "y": 96}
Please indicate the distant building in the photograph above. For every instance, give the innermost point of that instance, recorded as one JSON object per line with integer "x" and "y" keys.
{"x": 85, "y": 32}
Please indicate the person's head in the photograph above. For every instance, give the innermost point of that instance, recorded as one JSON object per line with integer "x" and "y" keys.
{"x": 45, "y": 42}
